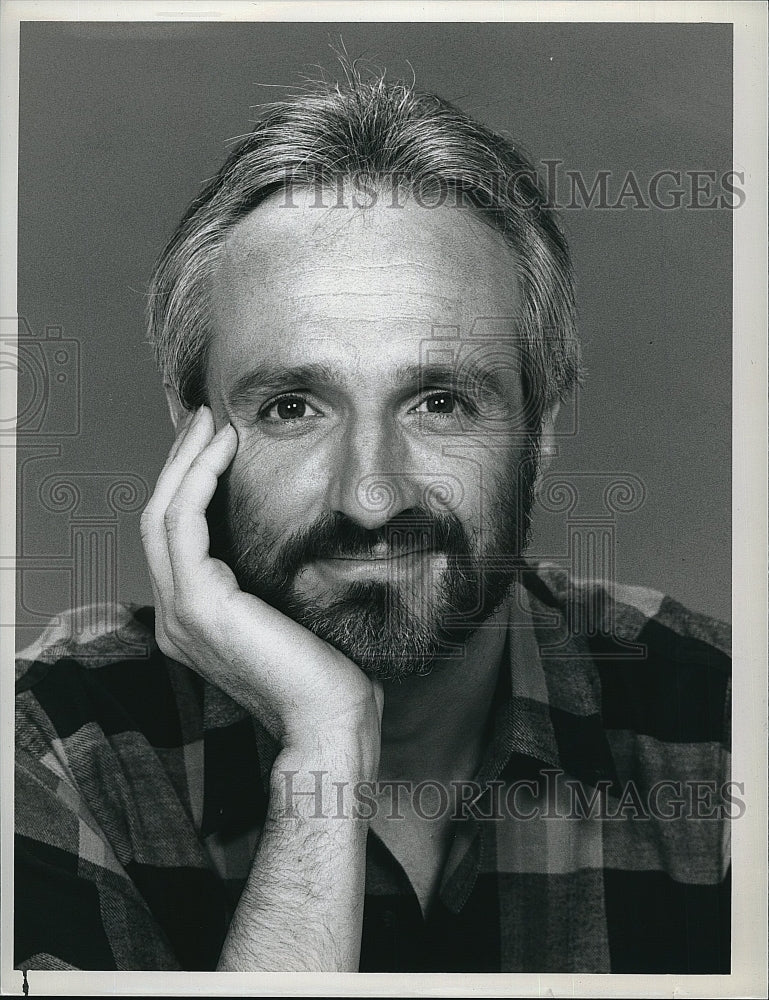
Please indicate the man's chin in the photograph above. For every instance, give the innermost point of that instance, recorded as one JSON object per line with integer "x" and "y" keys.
{"x": 391, "y": 629}
{"x": 372, "y": 624}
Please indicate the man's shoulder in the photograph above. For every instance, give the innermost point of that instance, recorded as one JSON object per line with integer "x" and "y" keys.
{"x": 634, "y": 657}
{"x": 94, "y": 635}
{"x": 97, "y": 671}
{"x": 627, "y": 613}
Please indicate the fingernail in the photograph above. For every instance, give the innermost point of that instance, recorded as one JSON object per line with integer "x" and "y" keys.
{"x": 223, "y": 430}
{"x": 200, "y": 413}
{"x": 183, "y": 421}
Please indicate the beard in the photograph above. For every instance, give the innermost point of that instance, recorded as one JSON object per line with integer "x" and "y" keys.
{"x": 398, "y": 627}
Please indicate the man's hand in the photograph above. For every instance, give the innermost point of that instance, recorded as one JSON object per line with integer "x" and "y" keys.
{"x": 302, "y": 906}
{"x": 301, "y": 689}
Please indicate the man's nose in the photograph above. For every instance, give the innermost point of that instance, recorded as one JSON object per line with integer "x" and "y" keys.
{"x": 369, "y": 480}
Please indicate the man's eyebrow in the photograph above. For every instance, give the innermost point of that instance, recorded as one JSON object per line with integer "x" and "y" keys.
{"x": 274, "y": 378}
{"x": 468, "y": 376}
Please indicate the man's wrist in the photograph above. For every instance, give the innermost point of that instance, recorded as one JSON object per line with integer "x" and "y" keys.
{"x": 322, "y": 780}
{"x": 351, "y": 750}
{"x": 351, "y": 757}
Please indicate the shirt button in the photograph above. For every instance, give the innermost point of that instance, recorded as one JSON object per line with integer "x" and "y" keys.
{"x": 388, "y": 918}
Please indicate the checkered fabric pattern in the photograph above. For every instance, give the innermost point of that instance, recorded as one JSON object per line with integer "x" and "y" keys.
{"x": 141, "y": 793}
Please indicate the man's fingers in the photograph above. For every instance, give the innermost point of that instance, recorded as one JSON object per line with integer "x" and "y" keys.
{"x": 185, "y": 516}
{"x": 190, "y": 442}
{"x": 181, "y": 433}
{"x": 180, "y": 516}
{"x": 193, "y": 437}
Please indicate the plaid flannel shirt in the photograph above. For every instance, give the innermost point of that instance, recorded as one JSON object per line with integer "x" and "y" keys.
{"x": 142, "y": 789}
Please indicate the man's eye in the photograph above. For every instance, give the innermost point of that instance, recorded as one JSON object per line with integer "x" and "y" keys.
{"x": 441, "y": 403}
{"x": 289, "y": 408}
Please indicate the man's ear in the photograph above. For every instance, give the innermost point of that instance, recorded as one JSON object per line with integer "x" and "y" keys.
{"x": 547, "y": 446}
{"x": 176, "y": 408}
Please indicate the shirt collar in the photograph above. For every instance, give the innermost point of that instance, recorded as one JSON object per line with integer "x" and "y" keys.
{"x": 539, "y": 648}
{"x": 521, "y": 718}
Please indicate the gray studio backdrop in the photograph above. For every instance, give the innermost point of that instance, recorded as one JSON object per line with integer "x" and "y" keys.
{"x": 120, "y": 124}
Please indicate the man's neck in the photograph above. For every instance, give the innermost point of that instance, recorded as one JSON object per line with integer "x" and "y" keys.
{"x": 433, "y": 726}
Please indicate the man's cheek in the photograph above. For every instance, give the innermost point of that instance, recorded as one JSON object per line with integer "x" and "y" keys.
{"x": 217, "y": 516}
{"x": 234, "y": 516}
{"x": 261, "y": 521}
{"x": 281, "y": 484}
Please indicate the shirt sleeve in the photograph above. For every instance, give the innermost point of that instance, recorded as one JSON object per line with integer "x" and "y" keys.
{"x": 75, "y": 905}
{"x": 111, "y": 867}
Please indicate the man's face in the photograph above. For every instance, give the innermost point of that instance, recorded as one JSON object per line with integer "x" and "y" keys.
{"x": 367, "y": 359}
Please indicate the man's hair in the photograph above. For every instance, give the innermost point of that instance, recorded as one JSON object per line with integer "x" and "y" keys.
{"x": 390, "y": 135}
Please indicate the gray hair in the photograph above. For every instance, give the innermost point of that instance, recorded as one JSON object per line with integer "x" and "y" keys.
{"x": 390, "y": 134}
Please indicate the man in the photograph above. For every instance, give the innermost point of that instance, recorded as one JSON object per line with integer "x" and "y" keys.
{"x": 365, "y": 733}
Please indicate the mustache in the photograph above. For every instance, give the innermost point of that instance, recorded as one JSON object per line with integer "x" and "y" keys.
{"x": 335, "y": 536}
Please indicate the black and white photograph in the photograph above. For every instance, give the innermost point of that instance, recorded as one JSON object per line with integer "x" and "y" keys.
{"x": 384, "y": 499}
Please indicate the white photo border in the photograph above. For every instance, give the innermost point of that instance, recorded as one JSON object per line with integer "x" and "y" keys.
{"x": 749, "y": 495}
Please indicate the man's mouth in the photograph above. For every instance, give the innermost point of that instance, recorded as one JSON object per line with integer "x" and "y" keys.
{"x": 376, "y": 557}
{"x": 377, "y": 564}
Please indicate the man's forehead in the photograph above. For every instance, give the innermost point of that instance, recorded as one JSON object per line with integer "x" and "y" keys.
{"x": 297, "y": 236}
{"x": 359, "y": 289}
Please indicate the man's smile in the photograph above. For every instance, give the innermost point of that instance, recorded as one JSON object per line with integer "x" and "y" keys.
{"x": 382, "y": 553}
{"x": 378, "y": 565}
